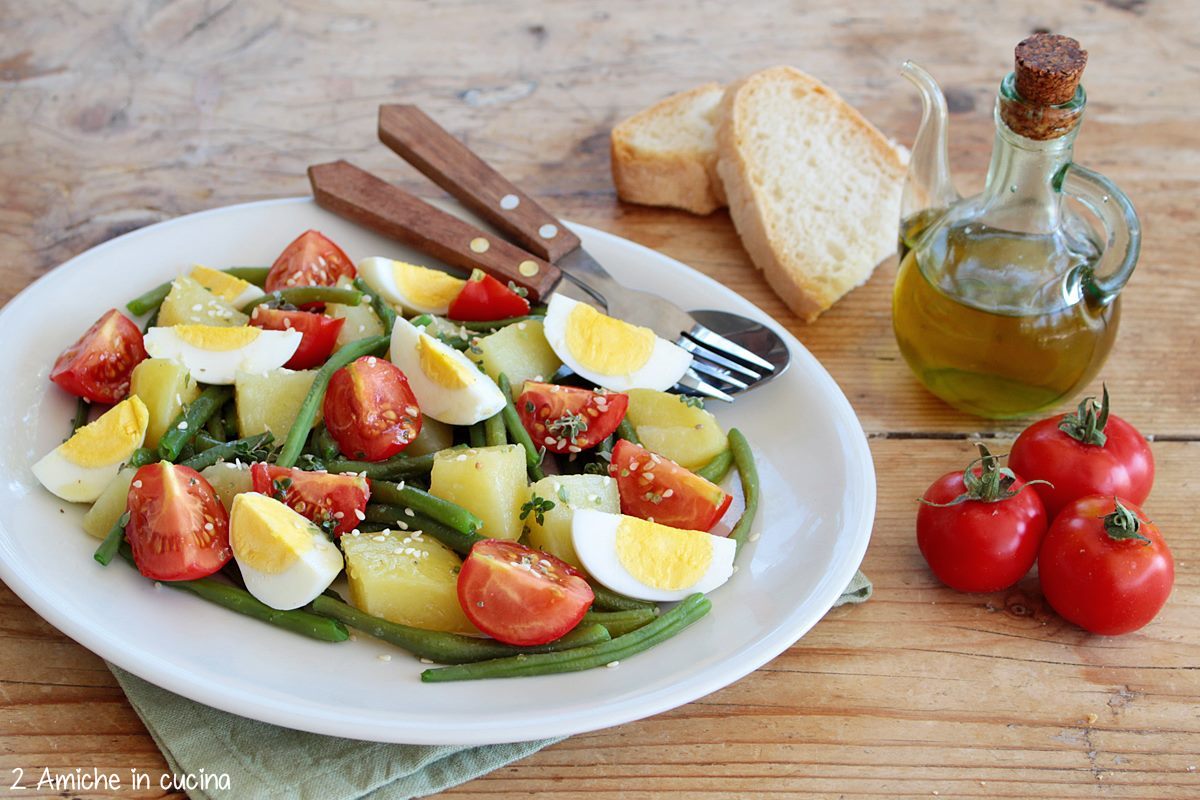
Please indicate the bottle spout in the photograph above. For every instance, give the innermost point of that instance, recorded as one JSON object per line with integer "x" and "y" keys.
{"x": 928, "y": 184}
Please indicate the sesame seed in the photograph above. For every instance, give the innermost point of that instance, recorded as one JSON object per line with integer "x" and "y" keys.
{"x": 197, "y": 307}
{"x": 754, "y": 537}
{"x": 403, "y": 525}
{"x": 424, "y": 660}
{"x": 668, "y": 492}
{"x": 137, "y": 484}
{"x": 384, "y": 657}
{"x": 353, "y": 638}
{"x": 358, "y": 513}
{"x": 613, "y": 664}
{"x": 339, "y": 515}
{"x": 208, "y": 526}
{"x": 520, "y": 326}
{"x": 397, "y": 550}
{"x": 182, "y": 425}
{"x": 379, "y": 538}
{"x": 157, "y": 585}
{"x": 735, "y": 569}
{"x": 408, "y": 512}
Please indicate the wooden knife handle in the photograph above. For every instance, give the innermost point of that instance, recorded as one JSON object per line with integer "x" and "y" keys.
{"x": 450, "y": 164}
{"x": 358, "y": 195}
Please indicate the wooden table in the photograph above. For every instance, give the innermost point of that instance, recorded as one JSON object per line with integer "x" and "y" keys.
{"x": 111, "y": 120}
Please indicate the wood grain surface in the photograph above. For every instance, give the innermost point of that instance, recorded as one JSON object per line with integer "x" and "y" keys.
{"x": 115, "y": 115}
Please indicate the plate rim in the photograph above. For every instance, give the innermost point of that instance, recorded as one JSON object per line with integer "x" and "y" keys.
{"x": 150, "y": 667}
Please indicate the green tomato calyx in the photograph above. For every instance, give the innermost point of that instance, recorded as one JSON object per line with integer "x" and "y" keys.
{"x": 1124, "y": 524}
{"x": 992, "y": 484}
{"x": 1087, "y": 423}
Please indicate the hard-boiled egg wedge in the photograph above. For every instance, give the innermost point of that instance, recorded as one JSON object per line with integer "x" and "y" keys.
{"x": 214, "y": 354}
{"x": 80, "y": 468}
{"x": 416, "y": 289}
{"x": 610, "y": 352}
{"x": 231, "y": 289}
{"x": 649, "y": 561}
{"x": 285, "y": 559}
{"x": 448, "y": 386}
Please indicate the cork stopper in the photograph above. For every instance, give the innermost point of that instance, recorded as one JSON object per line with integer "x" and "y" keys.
{"x": 1048, "y": 68}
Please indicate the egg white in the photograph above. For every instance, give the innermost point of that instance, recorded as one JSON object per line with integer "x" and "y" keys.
{"x": 301, "y": 581}
{"x": 269, "y": 350}
{"x": 667, "y": 363}
{"x": 476, "y": 401}
{"x": 378, "y": 273}
{"x": 76, "y": 483}
{"x": 594, "y": 535}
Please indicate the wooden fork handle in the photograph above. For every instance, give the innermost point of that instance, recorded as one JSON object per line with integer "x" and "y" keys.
{"x": 450, "y": 164}
{"x": 358, "y": 195}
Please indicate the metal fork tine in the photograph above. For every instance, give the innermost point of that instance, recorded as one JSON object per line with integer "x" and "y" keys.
{"x": 718, "y": 342}
{"x": 692, "y": 381}
{"x": 722, "y": 375}
{"x": 708, "y": 354}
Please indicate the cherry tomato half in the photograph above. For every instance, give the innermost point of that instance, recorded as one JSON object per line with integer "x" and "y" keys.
{"x": 1102, "y": 454}
{"x": 519, "y": 595}
{"x": 98, "y": 366}
{"x": 658, "y": 489}
{"x": 1108, "y": 573}
{"x": 320, "y": 333}
{"x": 370, "y": 409}
{"x": 566, "y": 419}
{"x": 483, "y": 298}
{"x": 310, "y": 260}
{"x": 335, "y": 502}
{"x": 980, "y": 545}
{"x": 177, "y": 528}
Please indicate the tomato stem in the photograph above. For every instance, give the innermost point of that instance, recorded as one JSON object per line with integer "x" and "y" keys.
{"x": 992, "y": 484}
{"x": 1124, "y": 524}
{"x": 1087, "y": 423}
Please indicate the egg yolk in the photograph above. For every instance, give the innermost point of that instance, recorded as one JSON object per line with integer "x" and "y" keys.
{"x": 213, "y": 337}
{"x": 426, "y": 287}
{"x": 605, "y": 344}
{"x": 441, "y": 367}
{"x": 222, "y": 284}
{"x": 662, "y": 557}
{"x": 111, "y": 438}
{"x": 267, "y": 535}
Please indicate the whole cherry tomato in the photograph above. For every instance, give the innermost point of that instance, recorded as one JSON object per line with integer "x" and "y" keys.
{"x": 1104, "y": 566}
{"x": 1088, "y": 452}
{"x": 979, "y": 530}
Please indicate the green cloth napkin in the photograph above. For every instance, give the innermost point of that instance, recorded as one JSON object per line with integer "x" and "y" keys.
{"x": 265, "y": 761}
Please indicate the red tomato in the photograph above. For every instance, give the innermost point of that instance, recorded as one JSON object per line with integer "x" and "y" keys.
{"x": 320, "y": 333}
{"x": 658, "y": 489}
{"x": 1107, "y": 569}
{"x": 483, "y": 298}
{"x": 177, "y": 528}
{"x": 370, "y": 409}
{"x": 335, "y": 502}
{"x": 987, "y": 540}
{"x": 98, "y": 366}
{"x": 519, "y": 595}
{"x": 311, "y": 260}
{"x": 1088, "y": 452}
{"x": 566, "y": 419}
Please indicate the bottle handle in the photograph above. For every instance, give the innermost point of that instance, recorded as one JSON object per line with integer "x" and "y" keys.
{"x": 1112, "y": 207}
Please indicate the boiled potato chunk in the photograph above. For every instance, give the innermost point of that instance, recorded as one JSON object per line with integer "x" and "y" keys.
{"x": 165, "y": 387}
{"x": 228, "y": 480}
{"x": 270, "y": 401}
{"x": 488, "y": 481}
{"x": 568, "y": 492}
{"x": 407, "y": 578}
{"x": 519, "y": 351}
{"x": 675, "y": 426}
{"x": 189, "y": 303}
{"x": 110, "y": 505}
{"x": 361, "y": 320}
{"x": 434, "y": 436}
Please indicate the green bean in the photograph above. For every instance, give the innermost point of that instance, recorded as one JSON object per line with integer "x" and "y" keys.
{"x": 301, "y": 295}
{"x": 229, "y": 415}
{"x": 447, "y": 648}
{"x": 437, "y": 509}
{"x": 421, "y": 320}
{"x": 327, "y": 446}
{"x": 143, "y": 456}
{"x": 619, "y": 623}
{"x": 250, "y": 449}
{"x": 386, "y": 314}
{"x": 112, "y": 542}
{"x": 149, "y": 301}
{"x": 517, "y": 432}
{"x": 596, "y": 655}
{"x": 255, "y": 275}
{"x": 308, "y": 409}
{"x": 191, "y": 421}
{"x": 608, "y": 600}
{"x": 625, "y": 431}
{"x": 495, "y": 324}
{"x": 716, "y": 469}
{"x": 215, "y": 426}
{"x": 205, "y": 441}
{"x": 743, "y": 458}
{"x": 82, "y": 408}
{"x": 398, "y": 466}
{"x": 408, "y": 519}
{"x": 494, "y": 432}
{"x": 475, "y": 436}
{"x": 151, "y": 321}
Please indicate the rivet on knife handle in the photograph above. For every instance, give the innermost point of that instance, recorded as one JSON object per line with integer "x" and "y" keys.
{"x": 358, "y": 195}
{"x": 451, "y": 164}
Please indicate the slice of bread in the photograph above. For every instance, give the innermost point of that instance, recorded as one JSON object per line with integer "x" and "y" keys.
{"x": 813, "y": 188}
{"x": 665, "y": 155}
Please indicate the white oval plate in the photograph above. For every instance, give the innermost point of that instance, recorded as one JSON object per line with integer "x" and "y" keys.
{"x": 818, "y": 489}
